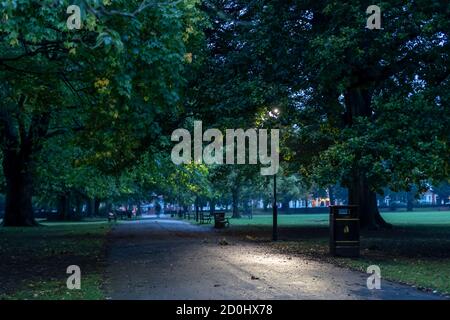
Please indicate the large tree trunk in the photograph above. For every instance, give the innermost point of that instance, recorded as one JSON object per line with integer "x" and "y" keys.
{"x": 97, "y": 207}
{"x": 108, "y": 207}
{"x": 235, "y": 195}
{"x": 19, "y": 191}
{"x": 331, "y": 195}
{"x": 63, "y": 206}
{"x": 75, "y": 207}
{"x": 139, "y": 209}
{"x": 358, "y": 102}
{"x": 196, "y": 208}
{"x": 212, "y": 207}
{"x": 266, "y": 205}
{"x": 90, "y": 204}
{"x": 19, "y": 144}
{"x": 409, "y": 201}
{"x": 360, "y": 194}
{"x": 285, "y": 205}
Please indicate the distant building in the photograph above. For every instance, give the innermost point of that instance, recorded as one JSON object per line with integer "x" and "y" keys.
{"x": 428, "y": 197}
{"x": 314, "y": 202}
{"x": 320, "y": 202}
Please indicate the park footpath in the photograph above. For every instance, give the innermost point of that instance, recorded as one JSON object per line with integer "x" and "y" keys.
{"x": 172, "y": 259}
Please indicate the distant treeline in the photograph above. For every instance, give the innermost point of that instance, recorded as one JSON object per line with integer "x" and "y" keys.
{"x": 2, "y": 205}
{"x": 326, "y": 209}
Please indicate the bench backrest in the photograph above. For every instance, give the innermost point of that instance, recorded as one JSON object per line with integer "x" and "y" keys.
{"x": 219, "y": 215}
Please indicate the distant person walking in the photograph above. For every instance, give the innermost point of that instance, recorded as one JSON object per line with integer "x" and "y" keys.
{"x": 158, "y": 209}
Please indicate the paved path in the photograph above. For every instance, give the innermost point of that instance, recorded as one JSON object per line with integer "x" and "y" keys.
{"x": 170, "y": 259}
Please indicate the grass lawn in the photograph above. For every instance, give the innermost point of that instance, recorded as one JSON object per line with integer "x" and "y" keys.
{"x": 416, "y": 251}
{"x": 33, "y": 261}
{"x": 429, "y": 218}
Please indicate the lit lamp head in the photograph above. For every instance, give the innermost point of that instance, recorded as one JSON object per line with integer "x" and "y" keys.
{"x": 274, "y": 113}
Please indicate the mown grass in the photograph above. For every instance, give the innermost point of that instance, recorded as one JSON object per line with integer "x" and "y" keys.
{"x": 416, "y": 251}
{"x": 34, "y": 261}
{"x": 420, "y": 218}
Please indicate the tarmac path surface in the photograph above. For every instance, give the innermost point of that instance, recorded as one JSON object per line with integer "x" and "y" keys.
{"x": 168, "y": 259}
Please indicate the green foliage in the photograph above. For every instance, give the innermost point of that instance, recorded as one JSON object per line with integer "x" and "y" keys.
{"x": 48, "y": 248}
{"x": 107, "y": 97}
{"x": 109, "y": 93}
{"x": 401, "y": 71}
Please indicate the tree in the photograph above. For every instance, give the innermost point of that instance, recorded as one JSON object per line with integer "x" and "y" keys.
{"x": 117, "y": 82}
{"x": 366, "y": 108}
{"x": 443, "y": 191}
{"x": 379, "y": 96}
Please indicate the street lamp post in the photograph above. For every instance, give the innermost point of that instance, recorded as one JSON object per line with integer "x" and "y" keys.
{"x": 196, "y": 208}
{"x": 275, "y": 210}
{"x": 274, "y": 114}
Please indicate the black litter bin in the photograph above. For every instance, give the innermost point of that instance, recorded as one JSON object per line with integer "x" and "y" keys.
{"x": 344, "y": 231}
{"x": 220, "y": 221}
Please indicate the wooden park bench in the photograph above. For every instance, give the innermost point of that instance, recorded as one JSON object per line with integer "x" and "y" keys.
{"x": 220, "y": 220}
{"x": 187, "y": 215}
{"x": 172, "y": 213}
{"x": 204, "y": 217}
{"x": 112, "y": 216}
{"x": 123, "y": 214}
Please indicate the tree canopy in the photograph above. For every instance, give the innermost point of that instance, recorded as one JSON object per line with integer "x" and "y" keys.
{"x": 88, "y": 113}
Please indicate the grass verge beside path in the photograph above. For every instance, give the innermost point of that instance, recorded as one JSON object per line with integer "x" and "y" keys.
{"x": 33, "y": 261}
{"x": 416, "y": 251}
